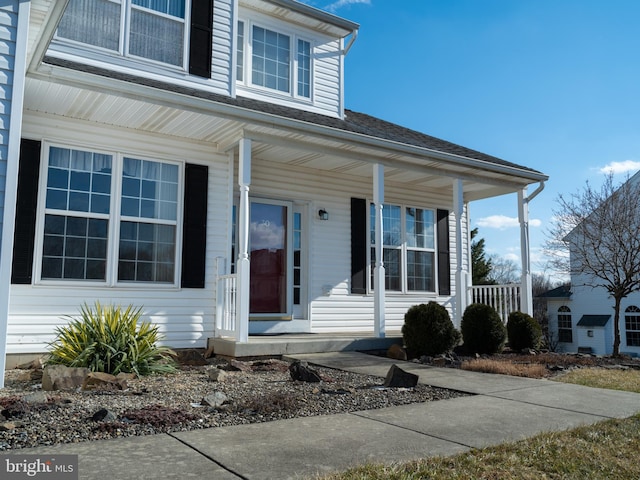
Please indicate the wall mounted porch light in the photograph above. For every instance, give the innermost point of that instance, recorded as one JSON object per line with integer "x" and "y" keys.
{"x": 323, "y": 214}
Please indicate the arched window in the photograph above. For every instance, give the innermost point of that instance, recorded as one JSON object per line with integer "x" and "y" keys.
{"x": 565, "y": 331}
{"x": 632, "y": 325}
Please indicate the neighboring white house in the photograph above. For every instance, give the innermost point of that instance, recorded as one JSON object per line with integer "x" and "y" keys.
{"x": 197, "y": 159}
{"x": 581, "y": 317}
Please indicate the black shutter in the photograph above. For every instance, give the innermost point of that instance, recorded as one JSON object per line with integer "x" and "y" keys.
{"x": 200, "y": 44}
{"x": 26, "y": 203}
{"x": 444, "y": 260}
{"x": 358, "y": 245}
{"x": 194, "y": 236}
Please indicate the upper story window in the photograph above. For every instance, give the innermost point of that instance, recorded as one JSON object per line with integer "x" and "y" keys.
{"x": 150, "y": 29}
{"x": 408, "y": 248}
{"x": 276, "y": 61}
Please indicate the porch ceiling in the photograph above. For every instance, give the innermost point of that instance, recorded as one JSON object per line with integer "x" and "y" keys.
{"x": 296, "y": 147}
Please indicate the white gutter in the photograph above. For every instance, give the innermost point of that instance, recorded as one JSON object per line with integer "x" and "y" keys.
{"x": 346, "y": 49}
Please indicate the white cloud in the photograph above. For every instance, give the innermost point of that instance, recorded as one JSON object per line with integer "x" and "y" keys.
{"x": 502, "y": 222}
{"x": 621, "y": 167}
{"x": 343, "y": 3}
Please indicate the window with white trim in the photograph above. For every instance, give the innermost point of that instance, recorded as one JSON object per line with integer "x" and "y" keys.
{"x": 408, "y": 248}
{"x": 277, "y": 61}
{"x": 565, "y": 330}
{"x": 632, "y": 325}
{"x": 105, "y": 209}
{"x": 150, "y": 29}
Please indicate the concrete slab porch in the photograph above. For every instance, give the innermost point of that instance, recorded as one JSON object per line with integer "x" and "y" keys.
{"x": 300, "y": 343}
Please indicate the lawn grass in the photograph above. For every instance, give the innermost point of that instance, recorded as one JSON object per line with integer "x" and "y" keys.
{"x": 614, "y": 379}
{"x": 606, "y": 450}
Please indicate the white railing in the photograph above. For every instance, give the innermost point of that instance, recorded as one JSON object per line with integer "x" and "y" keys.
{"x": 226, "y": 306}
{"x": 504, "y": 298}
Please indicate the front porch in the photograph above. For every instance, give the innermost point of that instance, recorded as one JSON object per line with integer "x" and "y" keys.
{"x": 293, "y": 344}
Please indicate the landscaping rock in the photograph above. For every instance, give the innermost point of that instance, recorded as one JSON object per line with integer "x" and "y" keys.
{"x": 216, "y": 374}
{"x": 398, "y": 378}
{"x": 7, "y": 426}
{"x": 103, "y": 381}
{"x": 301, "y": 372}
{"x": 104, "y": 415}
{"x": 59, "y": 377}
{"x": 215, "y": 399}
{"x": 35, "y": 398}
{"x": 191, "y": 356}
{"x": 396, "y": 352}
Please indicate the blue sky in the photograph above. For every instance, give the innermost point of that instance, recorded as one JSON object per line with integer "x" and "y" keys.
{"x": 549, "y": 84}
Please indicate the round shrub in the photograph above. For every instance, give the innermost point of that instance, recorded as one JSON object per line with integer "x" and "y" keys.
{"x": 523, "y": 331}
{"x": 428, "y": 330}
{"x": 482, "y": 329}
{"x": 110, "y": 339}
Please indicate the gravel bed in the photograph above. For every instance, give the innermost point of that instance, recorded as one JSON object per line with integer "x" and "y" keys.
{"x": 261, "y": 392}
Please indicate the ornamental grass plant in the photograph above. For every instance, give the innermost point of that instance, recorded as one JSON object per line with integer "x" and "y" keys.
{"x": 113, "y": 340}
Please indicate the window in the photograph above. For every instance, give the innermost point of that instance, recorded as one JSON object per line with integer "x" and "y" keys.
{"x": 408, "y": 248}
{"x": 151, "y": 29}
{"x": 86, "y": 207}
{"x": 632, "y": 325}
{"x": 565, "y": 331}
{"x": 276, "y": 61}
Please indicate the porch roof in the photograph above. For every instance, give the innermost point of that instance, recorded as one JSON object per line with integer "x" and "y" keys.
{"x": 287, "y": 135}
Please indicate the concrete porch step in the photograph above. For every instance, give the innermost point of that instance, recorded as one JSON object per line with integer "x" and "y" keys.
{"x": 287, "y": 344}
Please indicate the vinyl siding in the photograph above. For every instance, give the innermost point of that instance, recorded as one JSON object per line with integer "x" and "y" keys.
{"x": 8, "y": 37}
{"x": 184, "y": 316}
{"x": 329, "y": 243}
{"x": 223, "y": 44}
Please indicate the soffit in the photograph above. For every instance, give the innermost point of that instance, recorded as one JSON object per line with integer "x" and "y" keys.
{"x": 274, "y": 144}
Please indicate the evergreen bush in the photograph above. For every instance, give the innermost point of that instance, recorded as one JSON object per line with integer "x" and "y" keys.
{"x": 111, "y": 340}
{"x": 428, "y": 330}
{"x": 482, "y": 329}
{"x": 523, "y": 331}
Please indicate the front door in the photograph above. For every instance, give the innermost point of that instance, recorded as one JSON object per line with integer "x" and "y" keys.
{"x": 271, "y": 254}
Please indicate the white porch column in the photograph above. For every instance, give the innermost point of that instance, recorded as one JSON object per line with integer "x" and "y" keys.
{"x": 243, "y": 264}
{"x": 378, "y": 271}
{"x": 526, "y": 295}
{"x": 461, "y": 275}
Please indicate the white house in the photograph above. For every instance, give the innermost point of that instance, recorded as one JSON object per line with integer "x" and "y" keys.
{"x": 581, "y": 318}
{"x": 197, "y": 159}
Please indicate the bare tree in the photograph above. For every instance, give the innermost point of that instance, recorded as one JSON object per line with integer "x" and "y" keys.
{"x": 600, "y": 230}
{"x": 503, "y": 271}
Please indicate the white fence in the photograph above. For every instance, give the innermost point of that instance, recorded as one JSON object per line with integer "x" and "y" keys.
{"x": 504, "y": 298}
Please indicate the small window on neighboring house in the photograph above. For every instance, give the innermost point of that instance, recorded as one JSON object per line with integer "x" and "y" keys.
{"x": 304, "y": 69}
{"x": 149, "y": 29}
{"x": 565, "y": 330}
{"x": 632, "y": 325}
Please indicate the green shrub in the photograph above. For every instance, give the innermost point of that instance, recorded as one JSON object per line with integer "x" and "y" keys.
{"x": 482, "y": 329}
{"x": 428, "y": 330}
{"x": 110, "y": 339}
{"x": 523, "y": 331}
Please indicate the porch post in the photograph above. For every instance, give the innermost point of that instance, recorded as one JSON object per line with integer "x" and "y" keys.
{"x": 461, "y": 275}
{"x": 243, "y": 263}
{"x": 526, "y": 295}
{"x": 378, "y": 271}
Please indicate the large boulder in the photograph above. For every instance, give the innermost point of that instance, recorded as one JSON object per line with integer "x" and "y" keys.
{"x": 60, "y": 377}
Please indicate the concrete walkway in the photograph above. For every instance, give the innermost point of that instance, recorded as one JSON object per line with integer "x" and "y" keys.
{"x": 502, "y": 409}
